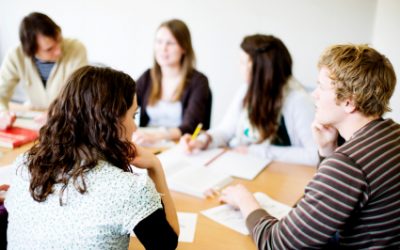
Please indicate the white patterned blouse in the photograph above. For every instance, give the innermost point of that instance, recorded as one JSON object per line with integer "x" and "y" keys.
{"x": 101, "y": 218}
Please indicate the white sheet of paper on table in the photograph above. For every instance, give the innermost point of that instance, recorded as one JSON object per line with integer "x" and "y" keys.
{"x": 187, "y": 224}
{"x": 232, "y": 218}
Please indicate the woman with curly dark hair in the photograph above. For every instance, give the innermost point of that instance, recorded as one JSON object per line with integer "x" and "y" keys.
{"x": 75, "y": 188}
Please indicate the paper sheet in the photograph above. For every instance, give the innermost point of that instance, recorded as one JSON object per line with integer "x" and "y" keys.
{"x": 26, "y": 119}
{"x": 232, "y": 218}
{"x": 30, "y": 115}
{"x": 187, "y": 224}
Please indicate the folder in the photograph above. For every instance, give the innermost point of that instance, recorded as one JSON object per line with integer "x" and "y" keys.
{"x": 16, "y": 136}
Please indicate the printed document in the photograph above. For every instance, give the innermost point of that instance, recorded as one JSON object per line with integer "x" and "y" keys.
{"x": 232, "y": 218}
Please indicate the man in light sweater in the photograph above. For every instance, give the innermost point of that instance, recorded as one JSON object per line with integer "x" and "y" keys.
{"x": 352, "y": 202}
{"x": 42, "y": 62}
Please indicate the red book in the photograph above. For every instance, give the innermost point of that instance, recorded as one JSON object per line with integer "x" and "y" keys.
{"x": 15, "y": 137}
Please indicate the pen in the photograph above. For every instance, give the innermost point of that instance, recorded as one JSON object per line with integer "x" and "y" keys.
{"x": 215, "y": 157}
{"x": 196, "y": 131}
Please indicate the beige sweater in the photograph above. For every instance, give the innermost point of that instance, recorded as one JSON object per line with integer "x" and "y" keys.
{"x": 17, "y": 67}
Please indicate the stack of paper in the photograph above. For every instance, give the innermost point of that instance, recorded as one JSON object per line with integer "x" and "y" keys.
{"x": 26, "y": 119}
{"x": 232, "y": 218}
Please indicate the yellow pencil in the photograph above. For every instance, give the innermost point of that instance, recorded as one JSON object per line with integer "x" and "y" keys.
{"x": 196, "y": 131}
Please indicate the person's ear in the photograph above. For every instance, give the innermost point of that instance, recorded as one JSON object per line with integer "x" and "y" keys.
{"x": 349, "y": 106}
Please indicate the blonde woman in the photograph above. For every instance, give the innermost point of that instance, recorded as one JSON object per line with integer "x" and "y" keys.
{"x": 172, "y": 94}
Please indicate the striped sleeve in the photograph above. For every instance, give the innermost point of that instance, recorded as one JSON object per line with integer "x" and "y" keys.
{"x": 337, "y": 190}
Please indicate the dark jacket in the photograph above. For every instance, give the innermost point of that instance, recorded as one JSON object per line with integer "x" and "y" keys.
{"x": 196, "y": 101}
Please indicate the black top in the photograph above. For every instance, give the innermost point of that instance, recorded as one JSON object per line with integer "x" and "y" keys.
{"x": 282, "y": 137}
{"x": 3, "y": 227}
{"x": 154, "y": 232}
{"x": 196, "y": 101}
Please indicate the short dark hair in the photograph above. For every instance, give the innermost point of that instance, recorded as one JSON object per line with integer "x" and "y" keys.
{"x": 33, "y": 24}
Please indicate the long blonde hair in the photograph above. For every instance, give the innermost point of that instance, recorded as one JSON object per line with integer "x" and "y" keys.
{"x": 182, "y": 35}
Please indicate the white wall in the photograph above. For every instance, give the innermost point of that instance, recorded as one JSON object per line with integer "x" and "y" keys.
{"x": 120, "y": 33}
{"x": 386, "y": 39}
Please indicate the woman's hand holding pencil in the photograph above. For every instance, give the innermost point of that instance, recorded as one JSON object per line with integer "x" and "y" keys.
{"x": 191, "y": 143}
{"x": 196, "y": 132}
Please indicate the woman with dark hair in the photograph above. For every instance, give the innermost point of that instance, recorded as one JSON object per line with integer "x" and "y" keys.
{"x": 271, "y": 115}
{"x": 172, "y": 95}
{"x": 75, "y": 188}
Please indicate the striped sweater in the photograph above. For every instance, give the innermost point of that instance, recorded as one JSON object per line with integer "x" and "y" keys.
{"x": 355, "y": 194}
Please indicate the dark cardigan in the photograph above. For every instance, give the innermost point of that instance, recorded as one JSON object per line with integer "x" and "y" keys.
{"x": 196, "y": 101}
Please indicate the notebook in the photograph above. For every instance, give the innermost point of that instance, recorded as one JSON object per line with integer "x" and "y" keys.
{"x": 16, "y": 136}
{"x": 26, "y": 119}
{"x": 189, "y": 176}
{"x": 245, "y": 166}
